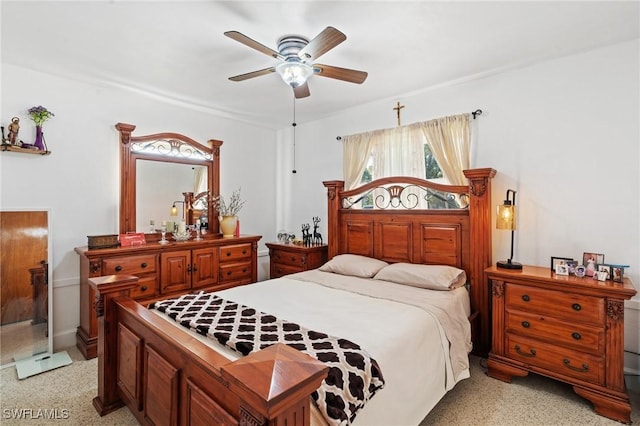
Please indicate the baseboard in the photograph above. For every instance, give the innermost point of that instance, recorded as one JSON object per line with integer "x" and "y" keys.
{"x": 64, "y": 340}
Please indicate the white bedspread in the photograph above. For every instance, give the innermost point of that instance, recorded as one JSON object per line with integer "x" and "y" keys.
{"x": 404, "y": 335}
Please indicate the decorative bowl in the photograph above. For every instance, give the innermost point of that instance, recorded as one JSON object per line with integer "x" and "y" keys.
{"x": 181, "y": 236}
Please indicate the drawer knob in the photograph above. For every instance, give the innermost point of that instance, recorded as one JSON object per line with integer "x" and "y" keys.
{"x": 530, "y": 354}
{"x": 143, "y": 265}
{"x": 526, "y": 297}
{"x": 228, "y": 253}
{"x": 583, "y": 369}
{"x": 526, "y": 324}
{"x": 576, "y": 335}
{"x": 118, "y": 268}
{"x": 293, "y": 258}
{"x": 143, "y": 288}
{"x": 576, "y": 307}
{"x": 244, "y": 270}
{"x": 244, "y": 251}
{"x": 228, "y": 273}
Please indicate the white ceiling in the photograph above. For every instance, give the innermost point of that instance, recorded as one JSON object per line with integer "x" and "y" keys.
{"x": 176, "y": 51}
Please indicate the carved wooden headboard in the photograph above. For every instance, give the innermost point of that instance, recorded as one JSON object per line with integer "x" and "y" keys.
{"x": 397, "y": 225}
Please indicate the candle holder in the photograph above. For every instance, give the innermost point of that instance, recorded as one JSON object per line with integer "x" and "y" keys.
{"x": 196, "y": 227}
{"x": 182, "y": 235}
{"x": 163, "y": 232}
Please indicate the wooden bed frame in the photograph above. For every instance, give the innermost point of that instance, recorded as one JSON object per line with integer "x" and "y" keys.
{"x": 166, "y": 376}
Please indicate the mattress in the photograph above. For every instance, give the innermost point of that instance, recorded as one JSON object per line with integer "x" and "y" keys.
{"x": 412, "y": 333}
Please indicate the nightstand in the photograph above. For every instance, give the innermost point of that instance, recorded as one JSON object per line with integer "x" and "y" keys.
{"x": 564, "y": 327}
{"x": 287, "y": 259}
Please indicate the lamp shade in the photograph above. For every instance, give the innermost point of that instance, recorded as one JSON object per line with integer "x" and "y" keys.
{"x": 174, "y": 210}
{"x": 506, "y": 217}
{"x": 294, "y": 73}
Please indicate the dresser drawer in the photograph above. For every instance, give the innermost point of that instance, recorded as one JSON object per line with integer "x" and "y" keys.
{"x": 235, "y": 271}
{"x": 572, "y": 335}
{"x": 147, "y": 287}
{"x": 278, "y": 270}
{"x": 235, "y": 252}
{"x": 289, "y": 258}
{"x": 567, "y": 306}
{"x": 563, "y": 361}
{"x": 130, "y": 265}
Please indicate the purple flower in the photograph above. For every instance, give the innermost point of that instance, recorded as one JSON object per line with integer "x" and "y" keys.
{"x": 40, "y": 114}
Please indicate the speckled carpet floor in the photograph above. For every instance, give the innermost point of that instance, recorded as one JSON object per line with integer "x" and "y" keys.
{"x": 64, "y": 396}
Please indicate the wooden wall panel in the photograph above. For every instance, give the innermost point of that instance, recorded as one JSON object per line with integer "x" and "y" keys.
{"x": 130, "y": 365}
{"x": 202, "y": 410}
{"x": 441, "y": 244}
{"x": 160, "y": 405}
{"x": 359, "y": 238}
{"x": 395, "y": 242}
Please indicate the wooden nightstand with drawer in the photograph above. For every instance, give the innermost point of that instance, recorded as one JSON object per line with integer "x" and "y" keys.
{"x": 287, "y": 259}
{"x": 564, "y": 327}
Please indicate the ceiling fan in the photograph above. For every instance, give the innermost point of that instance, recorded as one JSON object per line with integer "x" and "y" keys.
{"x": 297, "y": 55}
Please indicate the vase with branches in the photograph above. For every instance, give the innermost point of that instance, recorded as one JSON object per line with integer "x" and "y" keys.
{"x": 228, "y": 212}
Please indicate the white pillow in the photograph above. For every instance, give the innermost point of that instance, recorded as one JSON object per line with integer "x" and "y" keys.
{"x": 354, "y": 265}
{"x": 434, "y": 277}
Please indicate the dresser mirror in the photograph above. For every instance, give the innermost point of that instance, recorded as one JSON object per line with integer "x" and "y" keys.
{"x": 25, "y": 329}
{"x": 160, "y": 170}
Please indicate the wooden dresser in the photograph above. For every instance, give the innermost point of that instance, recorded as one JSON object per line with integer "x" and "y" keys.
{"x": 567, "y": 328}
{"x": 164, "y": 271}
{"x": 285, "y": 259}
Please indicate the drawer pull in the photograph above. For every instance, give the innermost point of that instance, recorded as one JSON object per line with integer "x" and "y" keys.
{"x": 143, "y": 265}
{"x": 293, "y": 258}
{"x": 526, "y": 324}
{"x": 143, "y": 288}
{"x": 188, "y": 269}
{"x": 526, "y": 297}
{"x": 228, "y": 253}
{"x": 529, "y": 355}
{"x": 244, "y": 251}
{"x": 229, "y": 273}
{"x": 244, "y": 270}
{"x": 584, "y": 369}
{"x": 576, "y": 307}
{"x": 118, "y": 268}
{"x": 195, "y": 268}
{"x": 576, "y": 335}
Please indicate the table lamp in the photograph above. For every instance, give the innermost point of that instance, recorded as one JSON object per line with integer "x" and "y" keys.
{"x": 506, "y": 219}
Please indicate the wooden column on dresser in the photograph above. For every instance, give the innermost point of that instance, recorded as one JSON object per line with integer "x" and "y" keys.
{"x": 564, "y": 327}
{"x": 164, "y": 271}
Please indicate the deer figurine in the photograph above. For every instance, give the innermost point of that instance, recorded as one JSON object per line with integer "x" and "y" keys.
{"x": 317, "y": 238}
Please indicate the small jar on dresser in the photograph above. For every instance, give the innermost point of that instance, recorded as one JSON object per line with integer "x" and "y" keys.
{"x": 564, "y": 327}
{"x": 285, "y": 259}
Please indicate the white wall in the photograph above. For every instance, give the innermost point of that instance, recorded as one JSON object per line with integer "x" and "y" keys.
{"x": 79, "y": 181}
{"x": 563, "y": 133}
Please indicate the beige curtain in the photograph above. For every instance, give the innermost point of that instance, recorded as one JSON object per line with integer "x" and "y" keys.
{"x": 199, "y": 185}
{"x": 450, "y": 142}
{"x": 356, "y": 150}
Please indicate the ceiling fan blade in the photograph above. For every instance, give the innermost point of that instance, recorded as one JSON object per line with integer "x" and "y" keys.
{"x": 252, "y": 74}
{"x": 239, "y": 37}
{"x": 302, "y": 91}
{"x": 321, "y": 44}
{"x": 345, "y": 74}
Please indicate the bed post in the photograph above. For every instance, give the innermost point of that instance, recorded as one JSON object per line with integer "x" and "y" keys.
{"x": 106, "y": 289}
{"x": 480, "y": 238}
{"x": 334, "y": 187}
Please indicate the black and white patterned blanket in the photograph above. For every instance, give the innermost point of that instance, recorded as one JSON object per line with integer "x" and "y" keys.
{"x": 354, "y": 377}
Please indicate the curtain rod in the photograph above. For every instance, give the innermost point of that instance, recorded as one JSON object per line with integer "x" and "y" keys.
{"x": 475, "y": 114}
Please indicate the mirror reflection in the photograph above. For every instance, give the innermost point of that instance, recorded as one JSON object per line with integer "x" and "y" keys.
{"x": 160, "y": 185}
{"x": 24, "y": 278}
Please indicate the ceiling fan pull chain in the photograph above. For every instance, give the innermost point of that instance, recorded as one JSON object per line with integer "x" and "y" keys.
{"x": 294, "y": 136}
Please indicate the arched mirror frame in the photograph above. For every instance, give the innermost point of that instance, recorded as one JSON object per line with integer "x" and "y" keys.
{"x": 182, "y": 150}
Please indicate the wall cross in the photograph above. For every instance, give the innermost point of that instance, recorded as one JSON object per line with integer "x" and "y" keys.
{"x": 397, "y": 108}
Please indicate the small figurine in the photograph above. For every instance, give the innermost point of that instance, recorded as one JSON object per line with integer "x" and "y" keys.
{"x": 13, "y": 128}
{"x": 306, "y": 237}
{"x": 317, "y": 238}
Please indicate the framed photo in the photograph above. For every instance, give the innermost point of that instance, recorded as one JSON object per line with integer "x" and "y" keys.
{"x": 559, "y": 261}
{"x": 580, "y": 271}
{"x": 617, "y": 273}
{"x": 593, "y": 258}
{"x": 605, "y": 269}
{"x": 573, "y": 264}
{"x": 562, "y": 269}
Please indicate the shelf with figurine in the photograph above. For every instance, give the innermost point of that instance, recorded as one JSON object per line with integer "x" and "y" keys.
{"x": 11, "y": 142}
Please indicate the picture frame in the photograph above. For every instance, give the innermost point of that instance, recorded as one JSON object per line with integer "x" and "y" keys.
{"x": 562, "y": 269}
{"x": 596, "y": 258}
{"x": 573, "y": 264}
{"x": 604, "y": 268}
{"x": 617, "y": 273}
{"x": 580, "y": 271}
{"x": 559, "y": 261}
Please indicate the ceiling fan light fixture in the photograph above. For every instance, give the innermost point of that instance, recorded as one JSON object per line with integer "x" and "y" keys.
{"x": 294, "y": 73}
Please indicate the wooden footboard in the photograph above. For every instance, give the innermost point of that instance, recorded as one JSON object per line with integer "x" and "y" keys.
{"x": 166, "y": 376}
